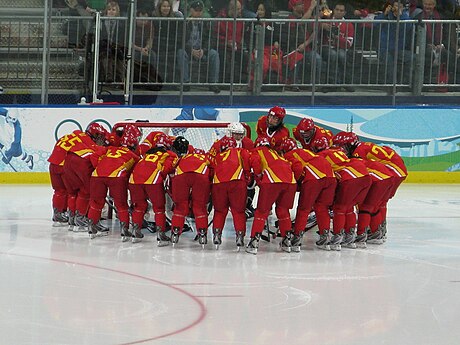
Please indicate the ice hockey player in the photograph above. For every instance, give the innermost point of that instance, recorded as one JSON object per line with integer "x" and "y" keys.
{"x": 231, "y": 173}
{"x": 353, "y": 183}
{"x": 111, "y": 173}
{"x": 191, "y": 182}
{"x": 271, "y": 126}
{"x": 83, "y": 152}
{"x": 386, "y": 156}
{"x": 147, "y": 182}
{"x": 317, "y": 183}
{"x": 306, "y": 132}
{"x": 277, "y": 186}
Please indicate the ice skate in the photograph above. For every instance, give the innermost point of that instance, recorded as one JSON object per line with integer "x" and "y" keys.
{"x": 239, "y": 239}
{"x": 137, "y": 235}
{"x": 253, "y": 244}
{"x": 323, "y": 242}
{"x": 81, "y": 222}
{"x": 375, "y": 237}
{"x": 60, "y": 218}
{"x": 101, "y": 227}
{"x": 296, "y": 242}
{"x": 285, "y": 243}
{"x": 349, "y": 239}
{"x": 93, "y": 232}
{"x": 217, "y": 237}
{"x": 336, "y": 240}
{"x": 361, "y": 240}
{"x": 162, "y": 239}
{"x": 202, "y": 237}
{"x": 383, "y": 230}
{"x": 71, "y": 220}
{"x": 125, "y": 233}
{"x": 175, "y": 233}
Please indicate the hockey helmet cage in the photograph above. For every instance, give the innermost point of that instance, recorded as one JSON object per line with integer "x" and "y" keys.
{"x": 236, "y": 128}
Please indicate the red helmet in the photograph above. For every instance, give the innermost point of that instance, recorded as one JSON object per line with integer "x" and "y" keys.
{"x": 262, "y": 141}
{"x": 199, "y": 151}
{"x": 227, "y": 142}
{"x": 344, "y": 138}
{"x": 129, "y": 140}
{"x": 288, "y": 144}
{"x": 163, "y": 140}
{"x": 320, "y": 144}
{"x": 96, "y": 131}
{"x": 131, "y": 136}
{"x": 277, "y": 111}
{"x": 305, "y": 125}
{"x": 134, "y": 130}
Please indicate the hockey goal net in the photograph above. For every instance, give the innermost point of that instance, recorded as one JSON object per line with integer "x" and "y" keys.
{"x": 200, "y": 134}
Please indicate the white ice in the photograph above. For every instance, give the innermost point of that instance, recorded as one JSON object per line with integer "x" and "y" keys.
{"x": 59, "y": 287}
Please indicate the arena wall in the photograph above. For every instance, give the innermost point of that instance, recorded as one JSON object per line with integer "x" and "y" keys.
{"x": 428, "y": 138}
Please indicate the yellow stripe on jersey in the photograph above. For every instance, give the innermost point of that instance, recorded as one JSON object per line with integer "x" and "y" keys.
{"x": 310, "y": 167}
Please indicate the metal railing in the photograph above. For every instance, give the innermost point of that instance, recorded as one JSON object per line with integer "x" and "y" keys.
{"x": 153, "y": 56}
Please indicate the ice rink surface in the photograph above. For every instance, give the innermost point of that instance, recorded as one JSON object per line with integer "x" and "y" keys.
{"x": 59, "y": 287}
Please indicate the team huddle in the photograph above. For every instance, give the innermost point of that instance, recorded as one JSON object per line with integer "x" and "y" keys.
{"x": 337, "y": 173}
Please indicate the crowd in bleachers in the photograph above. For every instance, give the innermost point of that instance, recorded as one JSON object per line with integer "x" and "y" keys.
{"x": 326, "y": 49}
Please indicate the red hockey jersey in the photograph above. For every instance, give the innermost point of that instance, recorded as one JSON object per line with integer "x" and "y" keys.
{"x": 232, "y": 164}
{"x": 153, "y": 168}
{"x": 117, "y": 162}
{"x": 308, "y": 166}
{"x": 382, "y": 154}
{"x": 270, "y": 167}
{"x": 344, "y": 167}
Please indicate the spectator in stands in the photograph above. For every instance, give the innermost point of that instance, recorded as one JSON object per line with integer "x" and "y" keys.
{"x": 144, "y": 64}
{"x": 297, "y": 42}
{"x": 207, "y": 12}
{"x": 111, "y": 49}
{"x": 198, "y": 47}
{"x": 394, "y": 49}
{"x": 232, "y": 51}
{"x": 337, "y": 38}
{"x": 272, "y": 68}
{"x": 437, "y": 57}
{"x": 167, "y": 36}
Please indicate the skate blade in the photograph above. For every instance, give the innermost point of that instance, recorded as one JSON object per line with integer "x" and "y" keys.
{"x": 324, "y": 247}
{"x": 251, "y": 251}
{"x": 60, "y": 224}
{"x": 98, "y": 234}
{"x": 375, "y": 241}
{"x": 362, "y": 245}
{"x": 295, "y": 249}
{"x": 163, "y": 243}
{"x": 136, "y": 239}
{"x": 336, "y": 247}
{"x": 79, "y": 229}
{"x": 71, "y": 227}
{"x": 125, "y": 238}
{"x": 349, "y": 246}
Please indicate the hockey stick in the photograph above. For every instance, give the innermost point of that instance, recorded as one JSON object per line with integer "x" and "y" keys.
{"x": 9, "y": 163}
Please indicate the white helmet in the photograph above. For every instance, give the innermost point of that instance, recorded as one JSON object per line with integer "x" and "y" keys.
{"x": 236, "y": 128}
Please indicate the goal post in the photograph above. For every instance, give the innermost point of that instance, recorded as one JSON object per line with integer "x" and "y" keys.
{"x": 200, "y": 134}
